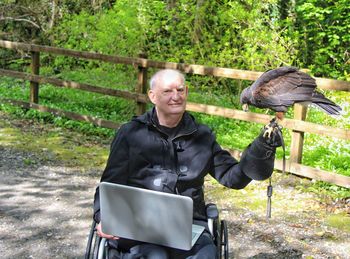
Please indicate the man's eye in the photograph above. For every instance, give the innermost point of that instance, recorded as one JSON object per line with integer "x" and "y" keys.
{"x": 180, "y": 90}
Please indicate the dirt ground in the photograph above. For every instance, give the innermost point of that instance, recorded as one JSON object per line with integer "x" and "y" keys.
{"x": 46, "y": 209}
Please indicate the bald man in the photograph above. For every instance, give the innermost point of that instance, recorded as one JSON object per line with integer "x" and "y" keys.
{"x": 166, "y": 150}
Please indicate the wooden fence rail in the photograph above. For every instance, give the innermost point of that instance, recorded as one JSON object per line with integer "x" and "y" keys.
{"x": 297, "y": 125}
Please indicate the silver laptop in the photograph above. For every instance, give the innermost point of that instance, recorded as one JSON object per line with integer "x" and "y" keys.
{"x": 148, "y": 216}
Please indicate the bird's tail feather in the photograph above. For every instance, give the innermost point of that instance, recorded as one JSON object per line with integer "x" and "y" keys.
{"x": 329, "y": 109}
{"x": 325, "y": 104}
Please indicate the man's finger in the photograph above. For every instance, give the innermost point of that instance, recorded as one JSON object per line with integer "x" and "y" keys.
{"x": 103, "y": 235}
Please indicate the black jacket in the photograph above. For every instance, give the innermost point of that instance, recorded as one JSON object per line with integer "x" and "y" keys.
{"x": 142, "y": 155}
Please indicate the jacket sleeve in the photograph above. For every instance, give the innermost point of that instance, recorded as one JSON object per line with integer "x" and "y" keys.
{"x": 227, "y": 170}
{"x": 257, "y": 163}
{"x": 116, "y": 170}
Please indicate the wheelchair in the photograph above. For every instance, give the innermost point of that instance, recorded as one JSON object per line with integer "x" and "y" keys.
{"x": 97, "y": 248}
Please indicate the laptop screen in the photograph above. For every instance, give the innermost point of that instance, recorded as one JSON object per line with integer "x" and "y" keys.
{"x": 146, "y": 215}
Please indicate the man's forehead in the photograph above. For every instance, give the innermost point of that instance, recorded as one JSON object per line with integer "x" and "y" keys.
{"x": 174, "y": 81}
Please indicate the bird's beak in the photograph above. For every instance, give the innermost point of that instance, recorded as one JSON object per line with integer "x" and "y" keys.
{"x": 245, "y": 107}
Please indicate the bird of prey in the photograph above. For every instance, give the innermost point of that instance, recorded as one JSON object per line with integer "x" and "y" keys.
{"x": 280, "y": 88}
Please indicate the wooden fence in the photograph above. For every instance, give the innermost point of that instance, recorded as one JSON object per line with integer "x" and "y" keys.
{"x": 297, "y": 124}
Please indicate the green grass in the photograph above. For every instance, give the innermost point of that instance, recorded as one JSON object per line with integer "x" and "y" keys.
{"x": 340, "y": 221}
{"x": 54, "y": 143}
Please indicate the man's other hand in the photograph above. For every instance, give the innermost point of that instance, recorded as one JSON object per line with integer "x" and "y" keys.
{"x": 103, "y": 235}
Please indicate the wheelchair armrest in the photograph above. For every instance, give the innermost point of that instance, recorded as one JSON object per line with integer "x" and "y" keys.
{"x": 212, "y": 211}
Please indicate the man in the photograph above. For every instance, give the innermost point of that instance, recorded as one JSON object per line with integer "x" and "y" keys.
{"x": 166, "y": 150}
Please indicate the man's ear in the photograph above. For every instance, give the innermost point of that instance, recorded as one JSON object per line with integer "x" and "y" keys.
{"x": 152, "y": 96}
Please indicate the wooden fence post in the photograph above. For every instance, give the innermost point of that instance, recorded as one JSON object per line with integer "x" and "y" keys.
{"x": 296, "y": 152}
{"x": 34, "y": 86}
{"x": 141, "y": 87}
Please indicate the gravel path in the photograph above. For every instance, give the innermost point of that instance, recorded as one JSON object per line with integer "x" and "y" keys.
{"x": 45, "y": 212}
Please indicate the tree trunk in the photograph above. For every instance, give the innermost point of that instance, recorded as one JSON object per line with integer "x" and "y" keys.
{"x": 53, "y": 13}
{"x": 198, "y": 21}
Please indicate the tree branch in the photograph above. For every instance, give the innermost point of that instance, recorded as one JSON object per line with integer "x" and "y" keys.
{"x": 20, "y": 20}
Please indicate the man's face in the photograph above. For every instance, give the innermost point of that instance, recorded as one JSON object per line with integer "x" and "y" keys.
{"x": 169, "y": 96}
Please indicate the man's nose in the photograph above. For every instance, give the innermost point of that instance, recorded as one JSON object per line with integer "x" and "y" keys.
{"x": 176, "y": 94}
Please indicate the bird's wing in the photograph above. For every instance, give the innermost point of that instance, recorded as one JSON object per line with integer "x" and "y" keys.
{"x": 271, "y": 75}
{"x": 284, "y": 90}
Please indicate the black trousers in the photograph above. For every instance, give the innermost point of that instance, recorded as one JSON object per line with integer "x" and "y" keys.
{"x": 127, "y": 249}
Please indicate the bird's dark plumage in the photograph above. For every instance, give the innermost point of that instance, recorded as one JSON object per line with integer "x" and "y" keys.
{"x": 280, "y": 88}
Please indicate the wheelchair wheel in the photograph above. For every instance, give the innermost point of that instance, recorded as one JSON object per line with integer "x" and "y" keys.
{"x": 224, "y": 240}
{"x": 95, "y": 248}
{"x": 91, "y": 244}
{"x": 102, "y": 249}
{"x": 217, "y": 241}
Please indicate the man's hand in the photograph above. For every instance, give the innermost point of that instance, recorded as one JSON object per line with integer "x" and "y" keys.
{"x": 103, "y": 235}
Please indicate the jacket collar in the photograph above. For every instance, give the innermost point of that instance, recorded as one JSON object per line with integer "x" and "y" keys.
{"x": 188, "y": 122}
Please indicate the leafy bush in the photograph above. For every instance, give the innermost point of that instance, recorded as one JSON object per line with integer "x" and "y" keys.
{"x": 225, "y": 34}
{"x": 322, "y": 31}
{"x": 115, "y": 32}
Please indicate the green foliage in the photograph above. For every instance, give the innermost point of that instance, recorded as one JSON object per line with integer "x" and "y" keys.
{"x": 115, "y": 32}
{"x": 253, "y": 35}
{"x": 110, "y": 108}
{"x": 326, "y": 189}
{"x": 32, "y": 21}
{"x": 229, "y": 34}
{"x": 322, "y": 29}
{"x": 226, "y": 34}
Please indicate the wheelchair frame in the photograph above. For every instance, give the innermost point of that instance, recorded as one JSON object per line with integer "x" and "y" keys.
{"x": 97, "y": 247}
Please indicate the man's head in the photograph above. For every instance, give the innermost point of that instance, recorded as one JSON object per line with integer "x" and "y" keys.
{"x": 168, "y": 92}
